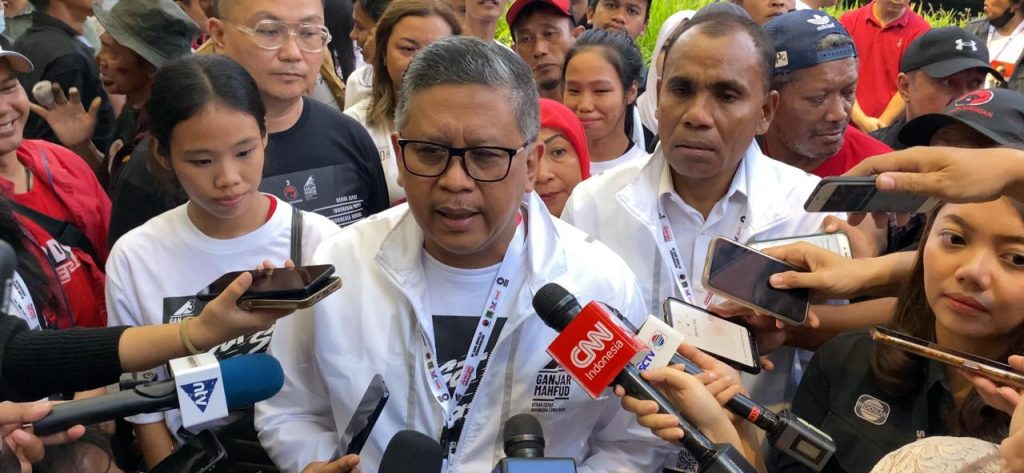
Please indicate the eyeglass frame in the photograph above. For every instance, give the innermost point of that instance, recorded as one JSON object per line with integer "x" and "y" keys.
{"x": 461, "y": 152}
{"x": 292, "y": 32}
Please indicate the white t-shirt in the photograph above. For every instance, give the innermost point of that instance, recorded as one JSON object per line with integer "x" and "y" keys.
{"x": 1004, "y": 51}
{"x": 359, "y": 86}
{"x": 636, "y": 154}
{"x": 382, "y": 139}
{"x": 154, "y": 268}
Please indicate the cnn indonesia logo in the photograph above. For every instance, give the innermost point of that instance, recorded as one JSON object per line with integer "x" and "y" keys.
{"x": 585, "y": 352}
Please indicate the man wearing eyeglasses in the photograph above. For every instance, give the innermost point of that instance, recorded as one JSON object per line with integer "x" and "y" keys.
{"x": 317, "y": 158}
{"x": 438, "y": 292}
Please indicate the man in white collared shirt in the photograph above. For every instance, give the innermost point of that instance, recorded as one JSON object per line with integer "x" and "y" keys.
{"x": 706, "y": 179}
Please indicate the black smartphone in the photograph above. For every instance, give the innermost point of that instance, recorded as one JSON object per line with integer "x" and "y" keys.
{"x": 276, "y": 283}
{"x": 1001, "y": 373}
{"x": 740, "y": 273}
{"x": 728, "y": 341}
{"x": 365, "y": 417}
{"x": 859, "y": 194}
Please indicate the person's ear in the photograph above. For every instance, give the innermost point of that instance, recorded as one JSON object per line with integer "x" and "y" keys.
{"x": 536, "y": 151}
{"x": 632, "y": 93}
{"x": 162, "y": 159}
{"x": 577, "y": 31}
{"x": 216, "y": 28}
{"x": 903, "y": 86}
{"x": 771, "y": 103}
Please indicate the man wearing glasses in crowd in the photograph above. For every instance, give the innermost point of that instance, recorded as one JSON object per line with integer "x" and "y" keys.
{"x": 441, "y": 289}
{"x": 317, "y": 158}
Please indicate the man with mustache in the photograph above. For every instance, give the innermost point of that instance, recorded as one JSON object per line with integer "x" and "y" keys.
{"x": 542, "y": 32}
{"x": 816, "y": 78}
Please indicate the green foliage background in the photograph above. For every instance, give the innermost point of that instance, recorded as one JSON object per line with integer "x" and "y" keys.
{"x": 662, "y": 9}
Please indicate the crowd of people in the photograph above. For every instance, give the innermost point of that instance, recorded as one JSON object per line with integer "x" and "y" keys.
{"x": 155, "y": 145}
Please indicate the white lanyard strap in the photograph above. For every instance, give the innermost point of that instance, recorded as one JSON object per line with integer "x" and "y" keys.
{"x": 994, "y": 56}
{"x": 670, "y": 253}
{"x": 18, "y": 302}
{"x": 509, "y": 276}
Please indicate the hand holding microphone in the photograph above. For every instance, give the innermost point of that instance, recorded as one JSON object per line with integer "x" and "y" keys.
{"x": 21, "y": 447}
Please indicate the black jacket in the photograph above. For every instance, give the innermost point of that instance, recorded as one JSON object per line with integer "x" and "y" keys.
{"x": 979, "y": 28}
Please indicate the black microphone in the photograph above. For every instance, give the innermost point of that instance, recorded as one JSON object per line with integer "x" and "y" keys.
{"x": 785, "y": 431}
{"x": 247, "y": 380}
{"x": 524, "y": 449}
{"x": 410, "y": 450}
{"x": 557, "y": 307}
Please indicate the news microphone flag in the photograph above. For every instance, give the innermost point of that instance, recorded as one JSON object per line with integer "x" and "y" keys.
{"x": 594, "y": 349}
{"x": 662, "y": 342}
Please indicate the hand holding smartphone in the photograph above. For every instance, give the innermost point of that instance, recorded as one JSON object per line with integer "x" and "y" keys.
{"x": 729, "y": 342}
{"x": 859, "y": 194}
{"x": 740, "y": 273}
{"x": 280, "y": 288}
{"x": 994, "y": 370}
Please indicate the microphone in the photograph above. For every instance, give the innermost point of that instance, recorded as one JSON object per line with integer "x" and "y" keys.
{"x": 8, "y": 263}
{"x": 247, "y": 379}
{"x": 524, "y": 449}
{"x": 586, "y": 332}
{"x": 786, "y": 431}
{"x": 410, "y": 450}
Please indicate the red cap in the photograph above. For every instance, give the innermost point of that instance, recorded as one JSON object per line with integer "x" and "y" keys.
{"x": 561, "y": 5}
{"x": 556, "y": 116}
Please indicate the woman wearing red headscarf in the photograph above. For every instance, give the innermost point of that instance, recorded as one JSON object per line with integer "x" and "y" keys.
{"x": 566, "y": 161}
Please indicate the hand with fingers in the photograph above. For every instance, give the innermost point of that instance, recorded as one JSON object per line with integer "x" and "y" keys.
{"x": 832, "y": 276}
{"x": 68, "y": 118}
{"x": 1004, "y": 398}
{"x": 345, "y": 464}
{"x": 699, "y": 398}
{"x": 222, "y": 319}
{"x": 951, "y": 174}
{"x": 25, "y": 446}
{"x": 769, "y": 332}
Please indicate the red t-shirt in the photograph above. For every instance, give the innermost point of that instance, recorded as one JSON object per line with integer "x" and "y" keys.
{"x": 77, "y": 271}
{"x": 857, "y": 146}
{"x": 879, "y": 51}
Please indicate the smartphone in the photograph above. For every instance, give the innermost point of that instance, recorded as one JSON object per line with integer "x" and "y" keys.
{"x": 838, "y": 242}
{"x": 859, "y": 194}
{"x": 739, "y": 273}
{"x": 277, "y": 283}
{"x": 994, "y": 370}
{"x": 294, "y": 301}
{"x": 730, "y": 342}
{"x": 367, "y": 412}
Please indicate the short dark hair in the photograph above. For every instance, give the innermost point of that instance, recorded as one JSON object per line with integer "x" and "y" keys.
{"x": 374, "y": 8}
{"x": 617, "y": 48}
{"x": 718, "y": 24}
{"x": 827, "y": 42}
{"x": 184, "y": 87}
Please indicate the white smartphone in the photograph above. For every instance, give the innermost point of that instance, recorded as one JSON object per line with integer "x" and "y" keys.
{"x": 838, "y": 242}
{"x": 859, "y": 194}
{"x": 740, "y": 274}
{"x": 730, "y": 342}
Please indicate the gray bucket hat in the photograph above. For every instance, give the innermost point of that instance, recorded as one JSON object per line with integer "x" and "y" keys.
{"x": 157, "y": 30}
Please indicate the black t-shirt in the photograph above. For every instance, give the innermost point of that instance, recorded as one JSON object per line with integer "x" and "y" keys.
{"x": 890, "y": 135}
{"x": 326, "y": 163}
{"x": 839, "y": 395}
{"x": 59, "y": 56}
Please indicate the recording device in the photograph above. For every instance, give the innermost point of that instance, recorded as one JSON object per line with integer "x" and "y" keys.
{"x": 410, "y": 450}
{"x": 860, "y": 194}
{"x": 591, "y": 347}
{"x": 247, "y": 379}
{"x": 524, "y": 449}
{"x": 994, "y": 370}
{"x": 279, "y": 288}
{"x": 728, "y": 341}
{"x": 790, "y": 434}
{"x": 741, "y": 274}
{"x": 365, "y": 417}
{"x": 838, "y": 242}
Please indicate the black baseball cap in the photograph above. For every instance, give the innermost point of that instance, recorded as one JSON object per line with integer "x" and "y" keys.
{"x": 942, "y": 52}
{"x": 995, "y": 113}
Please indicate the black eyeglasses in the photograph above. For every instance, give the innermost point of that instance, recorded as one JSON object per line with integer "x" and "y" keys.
{"x": 482, "y": 163}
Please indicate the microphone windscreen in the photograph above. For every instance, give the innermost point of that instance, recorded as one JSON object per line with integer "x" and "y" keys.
{"x": 555, "y": 306}
{"x": 249, "y": 379}
{"x": 523, "y": 437}
{"x": 410, "y": 451}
